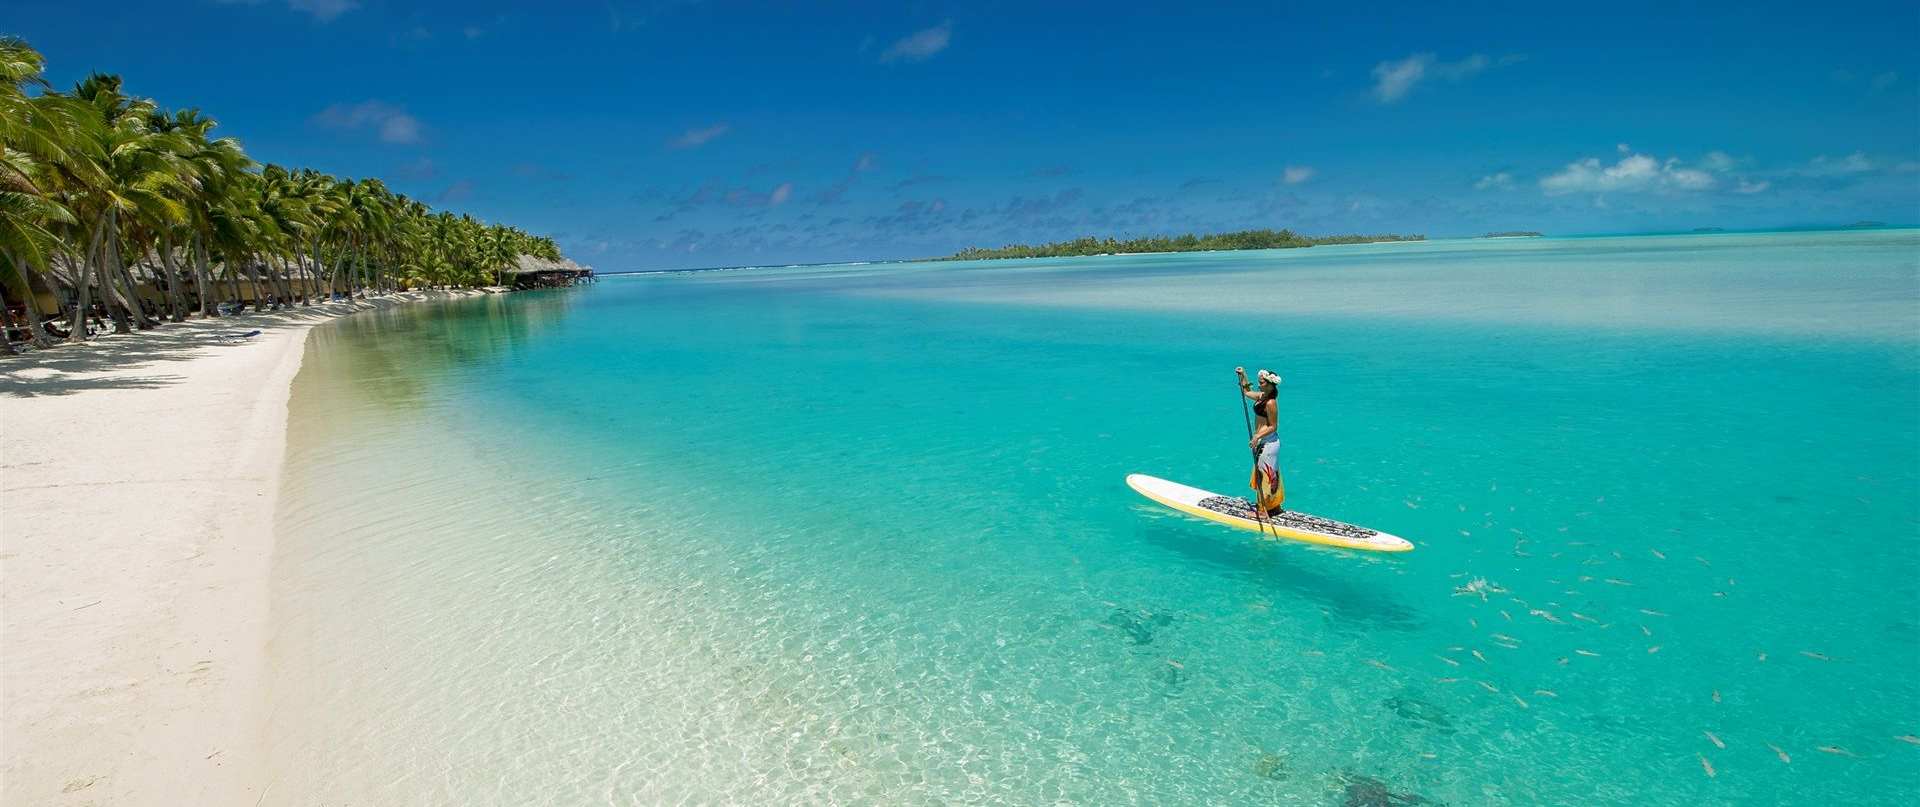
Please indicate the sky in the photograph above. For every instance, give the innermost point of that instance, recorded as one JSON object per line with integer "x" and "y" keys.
{"x": 680, "y": 133}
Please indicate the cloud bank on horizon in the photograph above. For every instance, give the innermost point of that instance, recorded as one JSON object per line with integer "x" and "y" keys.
{"x": 664, "y": 133}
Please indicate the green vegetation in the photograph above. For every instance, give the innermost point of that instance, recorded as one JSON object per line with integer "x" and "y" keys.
{"x": 110, "y": 205}
{"x": 1513, "y": 234}
{"x": 1244, "y": 239}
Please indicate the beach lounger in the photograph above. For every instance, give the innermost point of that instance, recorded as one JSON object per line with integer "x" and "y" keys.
{"x": 234, "y": 336}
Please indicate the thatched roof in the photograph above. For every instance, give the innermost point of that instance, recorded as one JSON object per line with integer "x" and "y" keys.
{"x": 529, "y": 264}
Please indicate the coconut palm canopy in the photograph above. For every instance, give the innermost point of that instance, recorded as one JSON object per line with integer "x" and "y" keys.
{"x": 111, "y": 205}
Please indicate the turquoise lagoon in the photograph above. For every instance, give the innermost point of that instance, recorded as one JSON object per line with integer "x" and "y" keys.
{"x": 860, "y": 534}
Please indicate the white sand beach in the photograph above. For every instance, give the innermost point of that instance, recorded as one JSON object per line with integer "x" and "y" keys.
{"x": 136, "y": 512}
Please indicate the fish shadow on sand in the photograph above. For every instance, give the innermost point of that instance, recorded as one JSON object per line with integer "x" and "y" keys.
{"x": 1366, "y": 791}
{"x": 1138, "y": 625}
{"x": 1285, "y": 569}
{"x": 1412, "y": 707}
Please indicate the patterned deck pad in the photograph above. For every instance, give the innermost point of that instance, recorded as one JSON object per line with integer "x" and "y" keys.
{"x": 1235, "y": 506}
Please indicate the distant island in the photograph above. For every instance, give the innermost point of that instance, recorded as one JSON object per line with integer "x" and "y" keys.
{"x": 1709, "y": 229}
{"x": 1244, "y": 239}
{"x": 1868, "y": 224}
{"x": 1513, "y": 234}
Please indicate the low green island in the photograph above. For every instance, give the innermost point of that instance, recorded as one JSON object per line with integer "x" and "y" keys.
{"x": 1513, "y": 234}
{"x": 1243, "y": 239}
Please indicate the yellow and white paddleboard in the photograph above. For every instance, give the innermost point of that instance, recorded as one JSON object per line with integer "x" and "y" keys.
{"x": 1237, "y": 512}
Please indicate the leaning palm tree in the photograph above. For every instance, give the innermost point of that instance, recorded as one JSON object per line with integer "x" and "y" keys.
{"x": 34, "y": 133}
{"x": 138, "y": 181}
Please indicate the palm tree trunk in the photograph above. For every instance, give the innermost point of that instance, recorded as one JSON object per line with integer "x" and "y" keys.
{"x": 233, "y": 279}
{"x": 201, "y": 279}
{"x": 37, "y": 321}
{"x": 176, "y": 297}
{"x": 289, "y": 272}
{"x": 83, "y": 286}
{"x": 253, "y": 278}
{"x": 115, "y": 270}
{"x": 109, "y": 295}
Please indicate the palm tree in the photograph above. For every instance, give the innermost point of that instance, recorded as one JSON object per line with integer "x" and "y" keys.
{"x": 109, "y": 189}
{"x": 33, "y": 134}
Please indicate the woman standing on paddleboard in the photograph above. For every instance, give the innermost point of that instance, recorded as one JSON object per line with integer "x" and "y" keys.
{"x": 1268, "y": 490}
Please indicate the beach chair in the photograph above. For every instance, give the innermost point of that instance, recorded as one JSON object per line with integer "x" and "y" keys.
{"x": 232, "y": 337}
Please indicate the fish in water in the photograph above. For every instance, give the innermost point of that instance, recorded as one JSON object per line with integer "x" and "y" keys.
{"x": 1366, "y": 791}
{"x": 1815, "y": 656}
{"x": 1653, "y": 649}
{"x": 1488, "y": 687}
{"x": 1505, "y": 638}
{"x": 1784, "y": 759}
{"x": 1583, "y": 617}
{"x": 1712, "y": 738}
{"x": 1476, "y": 587}
{"x": 1707, "y": 766}
{"x": 1483, "y": 659}
{"x": 1658, "y": 554}
{"x": 1763, "y": 655}
{"x": 1546, "y": 693}
{"x": 1523, "y": 704}
{"x": 1836, "y": 751}
{"x": 1651, "y": 612}
{"x": 1380, "y": 664}
{"x": 1420, "y": 711}
{"x": 1618, "y": 582}
{"x": 1445, "y": 680}
{"x": 1716, "y": 696}
{"x": 1448, "y": 660}
{"x": 1588, "y": 653}
{"x": 1908, "y": 738}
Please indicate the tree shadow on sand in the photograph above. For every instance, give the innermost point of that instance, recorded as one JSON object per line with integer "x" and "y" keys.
{"x": 105, "y": 362}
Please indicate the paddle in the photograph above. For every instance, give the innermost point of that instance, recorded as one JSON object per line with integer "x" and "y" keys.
{"x": 1247, "y": 417}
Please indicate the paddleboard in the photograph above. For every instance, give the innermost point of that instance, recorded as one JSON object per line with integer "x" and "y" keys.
{"x": 1236, "y": 512}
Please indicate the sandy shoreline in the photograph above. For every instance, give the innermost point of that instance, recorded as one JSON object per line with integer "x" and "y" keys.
{"x": 137, "y": 483}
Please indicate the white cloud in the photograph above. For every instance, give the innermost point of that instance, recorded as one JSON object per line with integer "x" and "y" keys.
{"x": 780, "y": 194}
{"x": 390, "y": 122}
{"x": 695, "y": 138}
{"x": 919, "y": 46}
{"x": 1296, "y": 174}
{"x": 1755, "y": 186}
{"x": 1855, "y": 163}
{"x": 1495, "y": 181}
{"x": 322, "y": 10}
{"x": 1718, "y": 161}
{"x": 1884, "y": 80}
{"x": 865, "y": 163}
{"x": 1392, "y": 80}
{"x": 1633, "y": 172}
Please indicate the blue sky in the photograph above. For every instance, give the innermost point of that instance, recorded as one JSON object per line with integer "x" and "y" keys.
{"x": 666, "y": 134}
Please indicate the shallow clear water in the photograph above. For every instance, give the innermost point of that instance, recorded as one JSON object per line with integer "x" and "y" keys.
{"x": 860, "y": 534}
